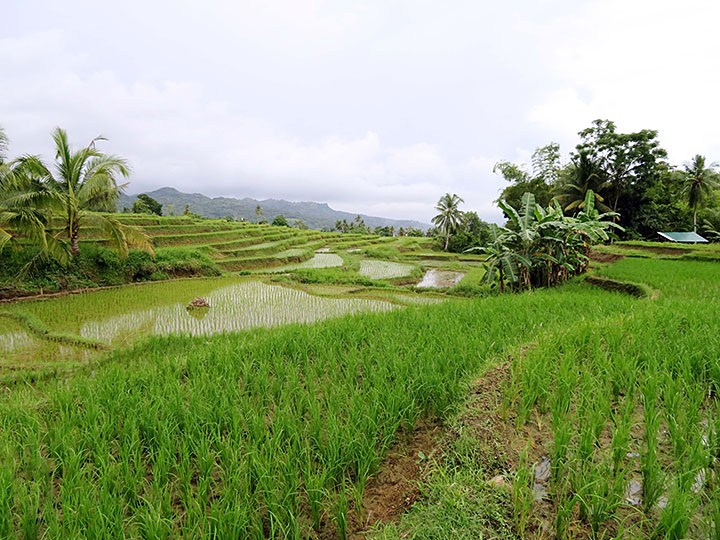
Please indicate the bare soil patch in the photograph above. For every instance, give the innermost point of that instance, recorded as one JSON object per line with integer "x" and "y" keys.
{"x": 602, "y": 257}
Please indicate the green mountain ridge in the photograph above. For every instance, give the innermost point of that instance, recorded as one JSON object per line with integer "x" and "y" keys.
{"x": 315, "y": 215}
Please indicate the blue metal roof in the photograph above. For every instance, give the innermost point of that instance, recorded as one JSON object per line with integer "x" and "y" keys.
{"x": 688, "y": 237}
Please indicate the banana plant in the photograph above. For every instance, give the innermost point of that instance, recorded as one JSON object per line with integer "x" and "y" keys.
{"x": 543, "y": 246}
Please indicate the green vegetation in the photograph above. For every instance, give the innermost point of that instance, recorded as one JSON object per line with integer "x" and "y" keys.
{"x": 629, "y": 174}
{"x": 449, "y": 215}
{"x": 209, "y": 444}
{"x": 543, "y": 247}
{"x": 625, "y": 409}
{"x": 97, "y": 266}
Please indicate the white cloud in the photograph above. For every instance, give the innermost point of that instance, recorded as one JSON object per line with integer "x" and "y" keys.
{"x": 374, "y": 107}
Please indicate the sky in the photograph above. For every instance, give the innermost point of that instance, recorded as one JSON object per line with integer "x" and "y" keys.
{"x": 378, "y": 107}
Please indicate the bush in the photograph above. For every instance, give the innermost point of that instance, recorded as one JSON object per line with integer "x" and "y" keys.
{"x": 97, "y": 266}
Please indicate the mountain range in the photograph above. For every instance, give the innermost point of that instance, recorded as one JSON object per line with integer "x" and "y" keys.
{"x": 315, "y": 215}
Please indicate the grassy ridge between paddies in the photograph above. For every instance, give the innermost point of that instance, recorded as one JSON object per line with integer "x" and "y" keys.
{"x": 268, "y": 433}
{"x": 625, "y": 407}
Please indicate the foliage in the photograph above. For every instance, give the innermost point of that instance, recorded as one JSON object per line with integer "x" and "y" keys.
{"x": 543, "y": 247}
{"x": 583, "y": 175}
{"x": 84, "y": 183}
{"x": 280, "y": 221}
{"x": 357, "y": 226}
{"x": 546, "y": 169}
{"x": 449, "y": 215}
{"x": 698, "y": 182}
{"x": 146, "y": 205}
{"x": 95, "y": 265}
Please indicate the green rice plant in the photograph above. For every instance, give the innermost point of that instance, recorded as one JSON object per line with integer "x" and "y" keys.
{"x": 560, "y": 404}
{"x": 522, "y": 493}
{"x": 653, "y": 477}
{"x": 620, "y": 441}
{"x": 566, "y": 504}
{"x": 374, "y": 269}
{"x": 340, "y": 512}
{"x": 600, "y": 493}
{"x": 675, "y": 517}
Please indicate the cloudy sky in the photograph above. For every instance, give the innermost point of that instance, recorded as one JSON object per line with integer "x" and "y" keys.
{"x": 378, "y": 106}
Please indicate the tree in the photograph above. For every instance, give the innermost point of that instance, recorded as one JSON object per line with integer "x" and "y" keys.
{"x": 699, "y": 180}
{"x": 83, "y": 182}
{"x": 152, "y": 205}
{"x": 544, "y": 247}
{"x": 546, "y": 169}
{"x": 633, "y": 164}
{"x": 280, "y": 221}
{"x": 140, "y": 207}
{"x": 449, "y": 216}
{"x": 258, "y": 212}
{"x": 25, "y": 210}
{"x": 300, "y": 224}
{"x": 584, "y": 174}
{"x": 186, "y": 210}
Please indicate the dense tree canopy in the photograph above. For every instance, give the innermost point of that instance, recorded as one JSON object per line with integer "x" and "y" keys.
{"x": 280, "y": 221}
{"x": 628, "y": 173}
{"x": 146, "y": 205}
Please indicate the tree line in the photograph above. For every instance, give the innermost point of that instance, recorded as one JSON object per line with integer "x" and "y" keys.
{"x": 629, "y": 174}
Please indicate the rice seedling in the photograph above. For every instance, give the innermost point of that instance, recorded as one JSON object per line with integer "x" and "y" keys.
{"x": 374, "y": 269}
{"x": 522, "y": 493}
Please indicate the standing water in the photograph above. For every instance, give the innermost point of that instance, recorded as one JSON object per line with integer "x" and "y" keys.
{"x": 440, "y": 279}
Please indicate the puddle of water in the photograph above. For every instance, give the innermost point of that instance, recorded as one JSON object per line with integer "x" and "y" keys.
{"x": 384, "y": 269}
{"x": 440, "y": 279}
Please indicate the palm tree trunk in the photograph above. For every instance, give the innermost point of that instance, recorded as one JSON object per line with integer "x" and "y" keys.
{"x": 74, "y": 234}
{"x": 447, "y": 240}
{"x": 695, "y": 221}
{"x": 502, "y": 283}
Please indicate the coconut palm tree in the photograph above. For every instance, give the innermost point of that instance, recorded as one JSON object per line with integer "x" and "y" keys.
{"x": 25, "y": 208}
{"x": 585, "y": 175}
{"x": 83, "y": 183}
{"x": 450, "y": 216}
{"x": 699, "y": 180}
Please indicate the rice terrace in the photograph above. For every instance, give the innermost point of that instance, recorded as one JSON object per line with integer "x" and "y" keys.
{"x": 298, "y": 292}
{"x": 179, "y": 376}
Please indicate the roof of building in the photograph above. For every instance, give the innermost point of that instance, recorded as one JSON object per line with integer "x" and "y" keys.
{"x": 683, "y": 237}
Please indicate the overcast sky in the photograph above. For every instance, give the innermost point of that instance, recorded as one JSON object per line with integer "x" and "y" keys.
{"x": 377, "y": 107}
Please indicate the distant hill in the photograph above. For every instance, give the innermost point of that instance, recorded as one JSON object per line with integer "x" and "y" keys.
{"x": 314, "y": 215}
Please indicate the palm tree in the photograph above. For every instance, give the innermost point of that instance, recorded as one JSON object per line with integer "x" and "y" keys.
{"x": 585, "y": 175}
{"x": 25, "y": 208}
{"x": 450, "y": 215}
{"x": 698, "y": 182}
{"x": 3, "y": 146}
{"x": 84, "y": 183}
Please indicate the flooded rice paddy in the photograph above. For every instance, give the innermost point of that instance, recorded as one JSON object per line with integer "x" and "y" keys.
{"x": 120, "y": 316}
{"x": 440, "y": 279}
{"x": 321, "y": 259}
{"x": 384, "y": 269}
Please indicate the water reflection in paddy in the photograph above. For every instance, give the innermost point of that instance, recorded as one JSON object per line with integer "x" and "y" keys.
{"x": 245, "y": 304}
{"x": 440, "y": 278}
